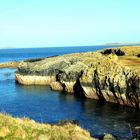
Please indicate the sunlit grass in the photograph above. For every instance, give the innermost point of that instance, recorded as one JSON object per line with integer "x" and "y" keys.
{"x": 133, "y": 62}
{"x": 131, "y": 50}
{"x": 25, "y": 129}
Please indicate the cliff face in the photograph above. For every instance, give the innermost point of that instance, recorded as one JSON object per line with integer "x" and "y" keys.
{"x": 111, "y": 75}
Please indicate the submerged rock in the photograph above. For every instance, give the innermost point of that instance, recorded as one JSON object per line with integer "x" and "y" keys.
{"x": 94, "y": 75}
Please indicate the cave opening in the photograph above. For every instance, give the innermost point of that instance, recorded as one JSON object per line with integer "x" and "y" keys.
{"x": 78, "y": 90}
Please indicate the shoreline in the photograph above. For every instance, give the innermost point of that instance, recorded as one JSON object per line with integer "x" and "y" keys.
{"x": 26, "y": 128}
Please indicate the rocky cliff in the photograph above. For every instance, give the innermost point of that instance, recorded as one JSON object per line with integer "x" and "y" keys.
{"x": 111, "y": 75}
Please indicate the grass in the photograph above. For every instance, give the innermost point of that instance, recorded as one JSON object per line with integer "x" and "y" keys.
{"x": 132, "y": 62}
{"x": 25, "y": 129}
{"x": 131, "y": 50}
{"x": 130, "y": 59}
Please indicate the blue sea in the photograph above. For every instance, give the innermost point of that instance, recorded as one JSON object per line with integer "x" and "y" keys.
{"x": 25, "y": 53}
{"x": 43, "y": 105}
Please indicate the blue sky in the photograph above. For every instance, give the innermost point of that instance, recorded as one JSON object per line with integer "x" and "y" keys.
{"x": 48, "y": 23}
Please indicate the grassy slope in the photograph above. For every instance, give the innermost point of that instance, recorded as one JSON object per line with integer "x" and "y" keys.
{"x": 130, "y": 59}
{"x": 131, "y": 50}
{"x": 19, "y": 129}
{"x": 132, "y": 62}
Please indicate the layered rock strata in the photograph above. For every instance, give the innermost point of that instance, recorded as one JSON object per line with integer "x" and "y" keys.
{"x": 96, "y": 75}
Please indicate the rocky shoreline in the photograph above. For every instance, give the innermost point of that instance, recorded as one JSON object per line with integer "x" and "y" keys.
{"x": 111, "y": 75}
{"x": 12, "y": 64}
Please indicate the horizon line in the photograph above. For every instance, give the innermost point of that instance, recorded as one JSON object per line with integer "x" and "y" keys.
{"x": 105, "y": 44}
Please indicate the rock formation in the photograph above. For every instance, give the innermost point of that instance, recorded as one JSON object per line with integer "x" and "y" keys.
{"x": 9, "y": 65}
{"x": 111, "y": 75}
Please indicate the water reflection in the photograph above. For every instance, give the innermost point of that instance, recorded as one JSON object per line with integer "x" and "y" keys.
{"x": 110, "y": 117}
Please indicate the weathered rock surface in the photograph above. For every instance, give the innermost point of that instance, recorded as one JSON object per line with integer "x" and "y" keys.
{"x": 96, "y": 75}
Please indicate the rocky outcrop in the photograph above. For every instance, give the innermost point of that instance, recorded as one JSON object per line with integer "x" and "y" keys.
{"x": 34, "y": 79}
{"x": 112, "y": 82}
{"x": 118, "y": 52}
{"x": 93, "y": 75}
{"x": 9, "y": 65}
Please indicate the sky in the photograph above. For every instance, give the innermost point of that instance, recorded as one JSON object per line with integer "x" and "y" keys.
{"x": 52, "y": 23}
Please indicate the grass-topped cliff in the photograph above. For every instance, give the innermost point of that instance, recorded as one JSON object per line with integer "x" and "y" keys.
{"x": 111, "y": 75}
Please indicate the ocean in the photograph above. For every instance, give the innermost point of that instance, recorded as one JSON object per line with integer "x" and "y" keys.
{"x": 26, "y": 53}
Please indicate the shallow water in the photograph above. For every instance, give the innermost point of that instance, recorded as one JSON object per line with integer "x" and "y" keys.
{"x": 43, "y": 105}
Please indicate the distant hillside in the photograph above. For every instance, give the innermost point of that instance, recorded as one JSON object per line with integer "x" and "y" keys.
{"x": 121, "y": 44}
